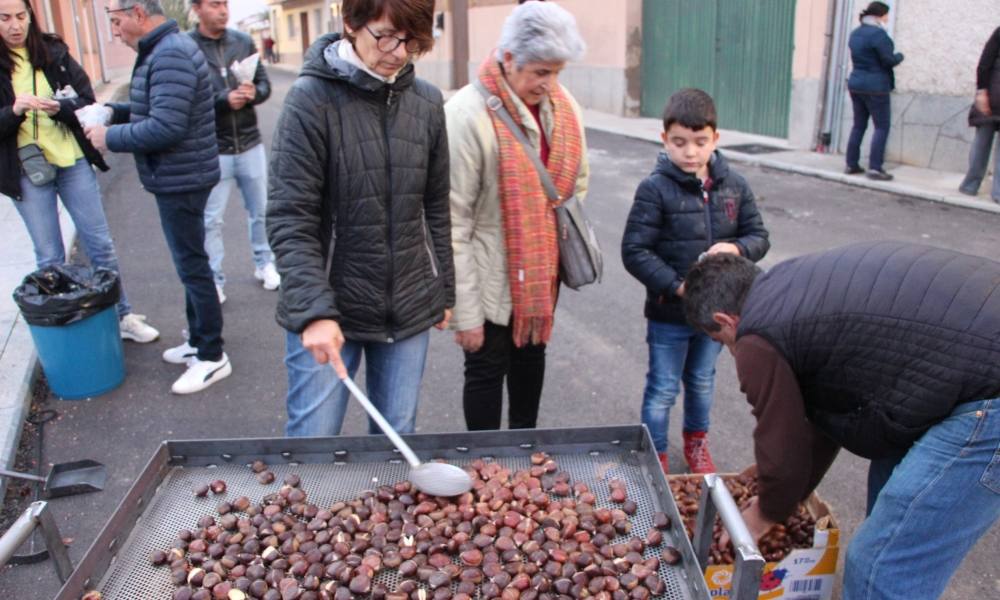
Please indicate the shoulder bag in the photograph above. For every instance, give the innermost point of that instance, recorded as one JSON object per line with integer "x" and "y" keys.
{"x": 580, "y": 259}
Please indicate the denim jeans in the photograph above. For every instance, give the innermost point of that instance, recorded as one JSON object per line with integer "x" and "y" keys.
{"x": 678, "y": 353}
{"x": 249, "y": 171}
{"x": 182, "y": 217}
{"x": 485, "y": 371}
{"x": 317, "y": 400}
{"x": 77, "y": 187}
{"x": 936, "y": 503}
{"x": 979, "y": 159}
{"x": 878, "y": 107}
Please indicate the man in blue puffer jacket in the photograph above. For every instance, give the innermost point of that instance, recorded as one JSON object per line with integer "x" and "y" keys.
{"x": 169, "y": 126}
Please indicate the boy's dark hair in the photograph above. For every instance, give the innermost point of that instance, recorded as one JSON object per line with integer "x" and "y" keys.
{"x": 875, "y": 9}
{"x": 691, "y": 108}
{"x": 717, "y": 283}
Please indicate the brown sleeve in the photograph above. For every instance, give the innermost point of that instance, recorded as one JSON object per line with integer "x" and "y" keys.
{"x": 792, "y": 455}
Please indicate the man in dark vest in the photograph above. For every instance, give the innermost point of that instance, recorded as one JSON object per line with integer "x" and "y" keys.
{"x": 891, "y": 351}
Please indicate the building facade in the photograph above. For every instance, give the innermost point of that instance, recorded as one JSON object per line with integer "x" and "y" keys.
{"x": 776, "y": 68}
{"x": 84, "y": 26}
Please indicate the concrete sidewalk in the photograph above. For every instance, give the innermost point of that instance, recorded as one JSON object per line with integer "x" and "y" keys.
{"x": 915, "y": 182}
{"x": 18, "y": 360}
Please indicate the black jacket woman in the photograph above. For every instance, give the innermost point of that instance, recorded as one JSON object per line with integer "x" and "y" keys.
{"x": 985, "y": 117}
{"x": 41, "y": 87}
{"x": 870, "y": 84}
{"x": 358, "y": 217}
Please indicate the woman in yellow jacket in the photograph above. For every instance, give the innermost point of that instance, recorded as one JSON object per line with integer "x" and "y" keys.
{"x": 41, "y": 87}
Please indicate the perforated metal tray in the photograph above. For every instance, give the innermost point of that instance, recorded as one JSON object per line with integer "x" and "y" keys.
{"x": 161, "y": 501}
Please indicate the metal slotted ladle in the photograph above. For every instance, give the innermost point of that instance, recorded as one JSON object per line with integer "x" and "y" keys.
{"x": 437, "y": 479}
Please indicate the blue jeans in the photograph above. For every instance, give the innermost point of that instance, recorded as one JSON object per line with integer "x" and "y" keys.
{"x": 878, "y": 107}
{"x": 979, "y": 159}
{"x": 77, "y": 187}
{"x": 249, "y": 171}
{"x": 938, "y": 500}
{"x": 182, "y": 217}
{"x": 317, "y": 400}
{"x": 678, "y": 353}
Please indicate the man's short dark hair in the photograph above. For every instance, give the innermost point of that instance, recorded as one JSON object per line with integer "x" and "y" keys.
{"x": 718, "y": 283}
{"x": 691, "y": 108}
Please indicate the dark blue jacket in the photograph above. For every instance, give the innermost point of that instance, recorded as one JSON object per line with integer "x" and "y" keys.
{"x": 671, "y": 224}
{"x": 872, "y": 53}
{"x": 170, "y": 117}
{"x": 884, "y": 338}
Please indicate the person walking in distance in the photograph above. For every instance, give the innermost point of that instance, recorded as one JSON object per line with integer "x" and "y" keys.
{"x": 985, "y": 117}
{"x": 241, "y": 154}
{"x": 169, "y": 126}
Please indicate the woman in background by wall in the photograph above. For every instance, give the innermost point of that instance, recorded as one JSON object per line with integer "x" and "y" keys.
{"x": 870, "y": 84}
{"x": 985, "y": 117}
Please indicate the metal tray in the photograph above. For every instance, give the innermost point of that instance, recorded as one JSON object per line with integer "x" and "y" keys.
{"x": 161, "y": 501}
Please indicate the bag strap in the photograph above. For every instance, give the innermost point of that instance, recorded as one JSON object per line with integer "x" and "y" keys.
{"x": 34, "y": 91}
{"x": 495, "y": 104}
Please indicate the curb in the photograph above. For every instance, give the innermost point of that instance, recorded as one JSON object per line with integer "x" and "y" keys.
{"x": 894, "y": 187}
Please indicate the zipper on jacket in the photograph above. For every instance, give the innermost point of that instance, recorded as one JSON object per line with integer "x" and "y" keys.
{"x": 329, "y": 252}
{"x": 232, "y": 113}
{"x": 707, "y": 202}
{"x": 427, "y": 242}
{"x": 388, "y": 215}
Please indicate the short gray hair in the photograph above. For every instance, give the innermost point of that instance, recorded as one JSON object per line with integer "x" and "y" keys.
{"x": 540, "y": 32}
{"x": 152, "y": 7}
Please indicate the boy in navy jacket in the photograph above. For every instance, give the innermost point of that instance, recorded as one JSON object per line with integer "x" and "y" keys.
{"x": 691, "y": 204}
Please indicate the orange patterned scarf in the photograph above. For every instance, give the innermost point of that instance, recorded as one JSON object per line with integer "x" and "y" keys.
{"x": 528, "y": 220}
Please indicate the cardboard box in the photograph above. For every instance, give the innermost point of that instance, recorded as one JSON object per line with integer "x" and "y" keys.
{"x": 805, "y": 574}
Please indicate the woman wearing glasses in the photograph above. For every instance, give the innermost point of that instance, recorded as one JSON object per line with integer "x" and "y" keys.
{"x": 34, "y": 119}
{"x": 358, "y": 217}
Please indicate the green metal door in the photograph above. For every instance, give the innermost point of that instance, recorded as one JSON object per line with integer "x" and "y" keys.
{"x": 739, "y": 51}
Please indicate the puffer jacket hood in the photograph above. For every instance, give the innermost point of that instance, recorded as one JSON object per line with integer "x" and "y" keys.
{"x": 358, "y": 214}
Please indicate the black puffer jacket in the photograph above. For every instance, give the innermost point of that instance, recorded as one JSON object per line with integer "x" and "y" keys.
{"x": 671, "y": 224}
{"x": 358, "y": 213}
{"x": 235, "y": 130}
{"x": 884, "y": 338}
{"x": 169, "y": 121}
{"x": 61, "y": 71}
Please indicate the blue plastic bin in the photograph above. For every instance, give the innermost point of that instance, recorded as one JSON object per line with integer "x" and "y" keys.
{"x": 82, "y": 359}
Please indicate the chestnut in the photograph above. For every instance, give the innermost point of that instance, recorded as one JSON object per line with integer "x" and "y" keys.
{"x": 671, "y": 555}
{"x": 201, "y": 491}
{"x": 218, "y": 487}
{"x": 265, "y": 477}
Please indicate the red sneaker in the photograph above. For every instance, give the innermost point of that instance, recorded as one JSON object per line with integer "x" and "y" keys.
{"x": 696, "y": 452}
{"x": 664, "y": 462}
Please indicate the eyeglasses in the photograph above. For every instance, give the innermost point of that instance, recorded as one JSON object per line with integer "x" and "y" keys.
{"x": 389, "y": 43}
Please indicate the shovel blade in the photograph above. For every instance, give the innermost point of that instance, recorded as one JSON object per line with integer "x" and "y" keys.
{"x": 77, "y": 477}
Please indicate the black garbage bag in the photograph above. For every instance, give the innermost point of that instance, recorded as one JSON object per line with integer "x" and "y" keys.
{"x": 64, "y": 294}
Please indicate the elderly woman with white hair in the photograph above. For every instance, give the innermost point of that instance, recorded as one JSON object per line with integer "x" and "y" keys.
{"x": 503, "y": 226}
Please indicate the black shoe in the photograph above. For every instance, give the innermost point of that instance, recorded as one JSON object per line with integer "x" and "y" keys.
{"x": 879, "y": 175}
{"x": 853, "y": 171}
{"x": 968, "y": 192}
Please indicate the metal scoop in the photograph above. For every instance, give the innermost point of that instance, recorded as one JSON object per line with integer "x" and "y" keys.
{"x": 437, "y": 479}
{"x": 66, "y": 479}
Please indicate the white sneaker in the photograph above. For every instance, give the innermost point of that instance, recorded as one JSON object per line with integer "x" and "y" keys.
{"x": 202, "y": 373}
{"x": 222, "y": 294}
{"x": 180, "y": 355}
{"x": 268, "y": 275}
{"x": 133, "y": 327}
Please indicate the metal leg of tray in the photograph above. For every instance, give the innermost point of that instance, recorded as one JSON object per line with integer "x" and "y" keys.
{"x": 37, "y": 515}
{"x": 749, "y": 566}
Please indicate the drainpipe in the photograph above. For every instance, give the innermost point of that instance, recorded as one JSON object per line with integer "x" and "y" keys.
{"x": 47, "y": 11}
{"x": 76, "y": 29}
{"x": 836, "y": 85}
{"x": 100, "y": 42}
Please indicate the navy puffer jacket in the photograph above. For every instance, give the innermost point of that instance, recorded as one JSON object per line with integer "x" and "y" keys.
{"x": 169, "y": 121}
{"x": 671, "y": 224}
{"x": 885, "y": 338}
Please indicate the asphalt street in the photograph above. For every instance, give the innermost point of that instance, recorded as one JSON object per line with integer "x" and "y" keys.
{"x": 596, "y": 361}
